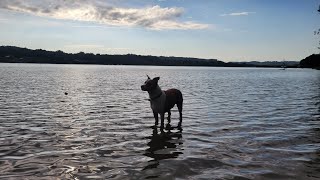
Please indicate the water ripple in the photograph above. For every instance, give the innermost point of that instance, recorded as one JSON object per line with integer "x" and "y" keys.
{"x": 239, "y": 123}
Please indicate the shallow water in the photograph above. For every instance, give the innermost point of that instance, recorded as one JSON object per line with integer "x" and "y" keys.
{"x": 239, "y": 123}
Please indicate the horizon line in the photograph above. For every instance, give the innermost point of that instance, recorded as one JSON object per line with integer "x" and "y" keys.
{"x": 151, "y": 55}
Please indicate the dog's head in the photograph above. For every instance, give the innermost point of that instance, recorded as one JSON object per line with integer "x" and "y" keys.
{"x": 150, "y": 84}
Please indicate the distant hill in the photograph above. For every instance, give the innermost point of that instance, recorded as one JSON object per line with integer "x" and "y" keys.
{"x": 12, "y": 54}
{"x": 312, "y": 61}
{"x": 288, "y": 64}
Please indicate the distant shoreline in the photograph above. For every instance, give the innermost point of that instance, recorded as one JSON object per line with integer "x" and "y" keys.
{"x": 266, "y": 67}
{"x": 12, "y": 54}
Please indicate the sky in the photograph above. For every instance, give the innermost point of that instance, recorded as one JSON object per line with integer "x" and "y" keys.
{"x": 227, "y": 30}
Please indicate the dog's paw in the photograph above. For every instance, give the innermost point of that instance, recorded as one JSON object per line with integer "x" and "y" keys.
{"x": 168, "y": 127}
{"x": 153, "y": 127}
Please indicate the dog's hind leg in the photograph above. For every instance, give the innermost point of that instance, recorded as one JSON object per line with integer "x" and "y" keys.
{"x": 169, "y": 117}
{"x": 179, "y": 105}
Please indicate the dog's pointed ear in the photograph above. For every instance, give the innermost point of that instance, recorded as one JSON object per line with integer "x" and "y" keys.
{"x": 148, "y": 77}
{"x": 156, "y": 78}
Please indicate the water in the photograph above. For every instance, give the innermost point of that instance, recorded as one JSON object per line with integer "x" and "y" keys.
{"x": 239, "y": 123}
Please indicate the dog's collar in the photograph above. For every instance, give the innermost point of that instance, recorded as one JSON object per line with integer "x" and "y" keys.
{"x": 156, "y": 97}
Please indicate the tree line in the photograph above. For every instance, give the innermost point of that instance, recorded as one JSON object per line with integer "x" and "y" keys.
{"x": 11, "y": 54}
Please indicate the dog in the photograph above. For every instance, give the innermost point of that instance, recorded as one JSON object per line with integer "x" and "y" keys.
{"x": 163, "y": 101}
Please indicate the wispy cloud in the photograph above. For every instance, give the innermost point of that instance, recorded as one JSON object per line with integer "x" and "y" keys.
{"x": 238, "y": 14}
{"x": 81, "y": 46}
{"x": 3, "y": 20}
{"x": 95, "y": 48}
{"x": 98, "y": 11}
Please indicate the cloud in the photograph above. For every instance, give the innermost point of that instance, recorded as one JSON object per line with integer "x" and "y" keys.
{"x": 81, "y": 46}
{"x": 3, "y": 20}
{"x": 238, "y": 14}
{"x": 98, "y": 11}
{"x": 94, "y": 48}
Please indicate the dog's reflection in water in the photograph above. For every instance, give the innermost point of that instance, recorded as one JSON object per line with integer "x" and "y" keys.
{"x": 163, "y": 145}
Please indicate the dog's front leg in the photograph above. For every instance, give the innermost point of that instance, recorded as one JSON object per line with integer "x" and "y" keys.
{"x": 162, "y": 121}
{"x": 168, "y": 127}
{"x": 156, "y": 118}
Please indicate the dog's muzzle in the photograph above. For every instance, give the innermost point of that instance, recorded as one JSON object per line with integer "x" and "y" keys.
{"x": 143, "y": 88}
